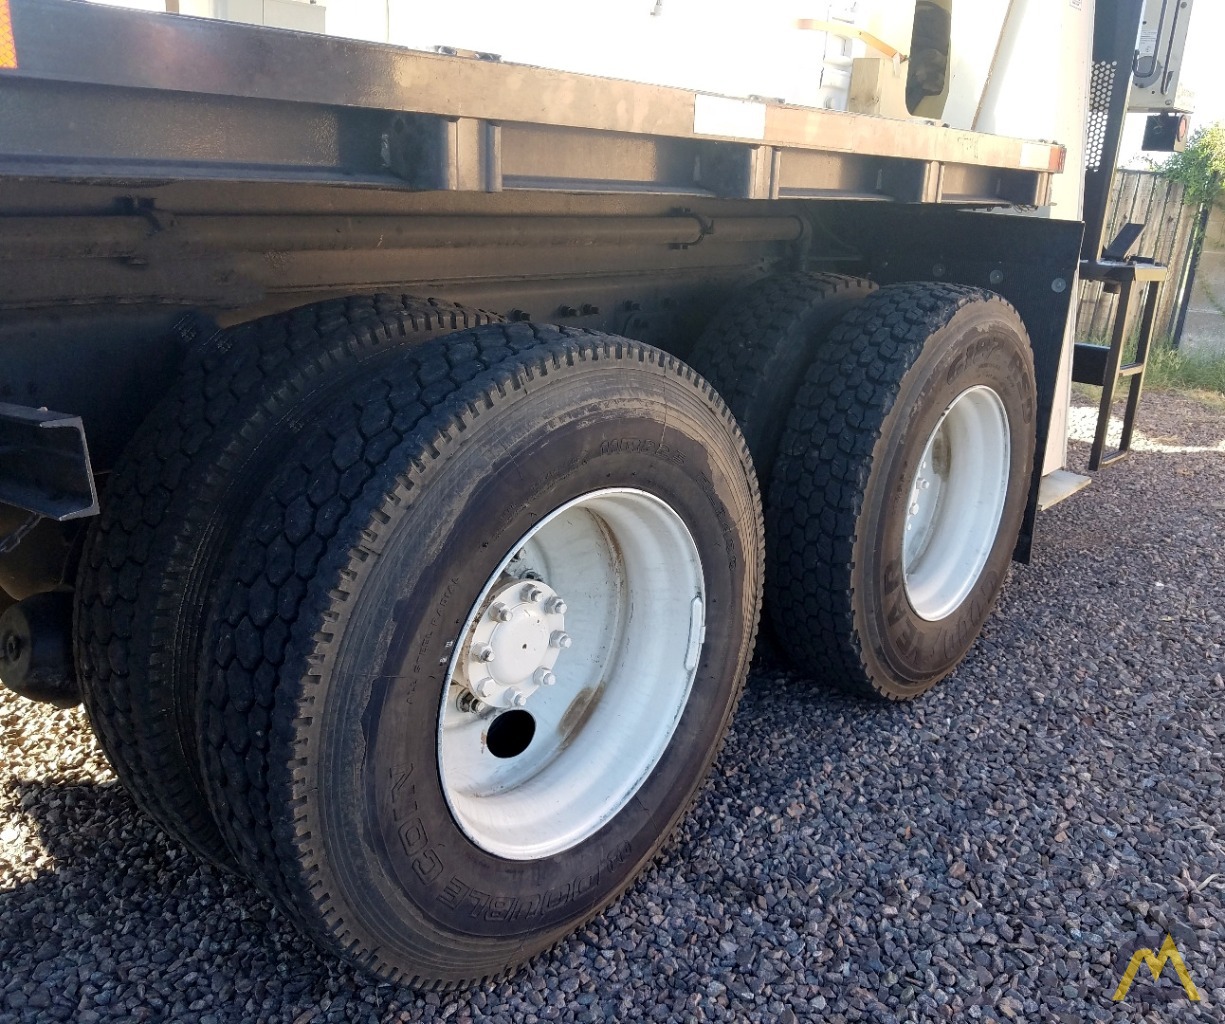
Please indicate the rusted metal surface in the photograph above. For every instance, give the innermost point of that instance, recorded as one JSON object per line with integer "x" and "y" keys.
{"x": 215, "y": 99}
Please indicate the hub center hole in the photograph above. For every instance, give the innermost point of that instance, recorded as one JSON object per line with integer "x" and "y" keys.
{"x": 511, "y": 733}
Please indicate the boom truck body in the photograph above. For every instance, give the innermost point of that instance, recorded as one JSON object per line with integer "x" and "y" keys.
{"x": 395, "y": 446}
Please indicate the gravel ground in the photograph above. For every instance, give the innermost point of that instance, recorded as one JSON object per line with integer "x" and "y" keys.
{"x": 994, "y": 851}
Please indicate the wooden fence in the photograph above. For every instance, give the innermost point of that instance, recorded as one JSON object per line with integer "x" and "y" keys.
{"x": 1143, "y": 197}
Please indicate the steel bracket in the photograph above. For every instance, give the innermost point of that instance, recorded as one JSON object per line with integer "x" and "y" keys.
{"x": 44, "y": 463}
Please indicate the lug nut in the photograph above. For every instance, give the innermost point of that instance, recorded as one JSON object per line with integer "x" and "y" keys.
{"x": 532, "y": 593}
{"x": 485, "y": 687}
{"x": 518, "y": 698}
{"x": 544, "y": 677}
{"x": 914, "y": 509}
{"x": 500, "y": 613}
{"x": 560, "y": 640}
{"x": 483, "y": 653}
{"x": 555, "y": 606}
{"x": 468, "y": 704}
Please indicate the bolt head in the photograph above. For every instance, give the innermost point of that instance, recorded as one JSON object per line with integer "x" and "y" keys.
{"x": 544, "y": 677}
{"x": 914, "y": 509}
{"x": 500, "y": 613}
{"x": 555, "y": 606}
{"x": 484, "y": 687}
{"x": 532, "y": 594}
{"x": 468, "y": 704}
{"x": 483, "y": 653}
{"x": 560, "y": 640}
{"x": 518, "y": 698}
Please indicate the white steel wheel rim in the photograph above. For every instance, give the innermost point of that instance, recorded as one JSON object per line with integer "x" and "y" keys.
{"x": 628, "y": 577}
{"x": 955, "y": 503}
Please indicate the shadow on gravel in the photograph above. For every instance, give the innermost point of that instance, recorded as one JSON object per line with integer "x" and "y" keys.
{"x": 996, "y": 851}
{"x": 114, "y": 921}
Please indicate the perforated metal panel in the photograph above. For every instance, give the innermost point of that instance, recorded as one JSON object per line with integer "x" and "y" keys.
{"x": 1114, "y": 43}
{"x": 1101, "y": 92}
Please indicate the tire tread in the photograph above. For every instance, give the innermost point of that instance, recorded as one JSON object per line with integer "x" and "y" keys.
{"x": 146, "y": 566}
{"x": 755, "y": 352}
{"x": 822, "y": 471}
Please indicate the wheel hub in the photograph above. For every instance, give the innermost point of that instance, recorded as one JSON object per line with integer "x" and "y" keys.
{"x": 514, "y": 645}
{"x": 928, "y": 490}
{"x": 955, "y": 502}
{"x": 525, "y": 782}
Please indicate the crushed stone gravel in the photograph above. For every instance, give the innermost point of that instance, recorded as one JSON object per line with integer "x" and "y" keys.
{"x": 994, "y": 851}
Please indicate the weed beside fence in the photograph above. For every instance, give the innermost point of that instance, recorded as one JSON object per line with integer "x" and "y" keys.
{"x": 1170, "y": 369}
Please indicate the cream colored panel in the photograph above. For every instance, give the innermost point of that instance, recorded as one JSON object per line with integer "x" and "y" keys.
{"x": 977, "y": 26}
{"x": 1040, "y": 86}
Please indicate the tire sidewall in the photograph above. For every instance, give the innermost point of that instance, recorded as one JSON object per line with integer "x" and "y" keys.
{"x": 381, "y": 686}
{"x": 985, "y": 344}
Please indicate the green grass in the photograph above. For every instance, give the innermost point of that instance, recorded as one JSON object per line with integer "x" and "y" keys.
{"x": 1172, "y": 370}
{"x": 1200, "y": 376}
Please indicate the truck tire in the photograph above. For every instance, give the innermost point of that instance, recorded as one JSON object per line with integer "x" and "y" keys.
{"x": 483, "y": 639}
{"x": 756, "y": 350}
{"x": 900, "y": 487}
{"x": 170, "y": 510}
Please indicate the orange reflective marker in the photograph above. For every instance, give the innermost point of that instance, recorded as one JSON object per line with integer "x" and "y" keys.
{"x": 8, "y": 45}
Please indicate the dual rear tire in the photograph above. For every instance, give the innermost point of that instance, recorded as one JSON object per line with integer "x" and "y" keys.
{"x": 899, "y": 489}
{"x": 459, "y": 632}
{"x": 472, "y": 640}
{"x": 897, "y": 474}
{"x": 499, "y": 670}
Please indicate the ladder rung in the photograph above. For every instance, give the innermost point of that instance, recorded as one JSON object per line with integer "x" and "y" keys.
{"x": 1116, "y": 456}
{"x": 1102, "y": 365}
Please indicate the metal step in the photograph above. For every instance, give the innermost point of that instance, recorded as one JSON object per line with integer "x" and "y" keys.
{"x": 1059, "y": 486}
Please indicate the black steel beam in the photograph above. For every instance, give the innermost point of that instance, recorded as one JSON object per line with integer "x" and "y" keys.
{"x": 44, "y": 464}
{"x": 1115, "y": 26}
